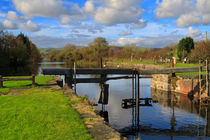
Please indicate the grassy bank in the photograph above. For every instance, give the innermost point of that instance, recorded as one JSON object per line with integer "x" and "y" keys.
{"x": 147, "y": 62}
{"x": 178, "y": 65}
{"x": 134, "y": 62}
{"x": 41, "y": 114}
{"x": 40, "y": 80}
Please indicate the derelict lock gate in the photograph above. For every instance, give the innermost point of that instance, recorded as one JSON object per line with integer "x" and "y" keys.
{"x": 133, "y": 102}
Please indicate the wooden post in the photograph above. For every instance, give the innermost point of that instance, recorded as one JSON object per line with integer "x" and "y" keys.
{"x": 135, "y": 92}
{"x": 68, "y": 81}
{"x": 200, "y": 77}
{"x": 33, "y": 79}
{"x": 133, "y": 100}
{"x": 138, "y": 97}
{"x": 75, "y": 90}
{"x": 207, "y": 78}
{"x": 1, "y": 81}
{"x": 101, "y": 63}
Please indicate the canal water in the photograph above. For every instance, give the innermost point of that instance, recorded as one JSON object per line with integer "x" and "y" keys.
{"x": 171, "y": 116}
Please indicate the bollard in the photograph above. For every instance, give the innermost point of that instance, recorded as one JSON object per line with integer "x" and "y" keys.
{"x": 33, "y": 79}
{"x": 68, "y": 81}
{"x": 1, "y": 81}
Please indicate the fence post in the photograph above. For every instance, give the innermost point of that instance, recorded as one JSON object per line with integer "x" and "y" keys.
{"x": 207, "y": 79}
{"x": 33, "y": 79}
{"x": 1, "y": 81}
{"x": 200, "y": 80}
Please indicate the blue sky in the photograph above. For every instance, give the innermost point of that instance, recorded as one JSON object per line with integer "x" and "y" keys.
{"x": 145, "y": 23}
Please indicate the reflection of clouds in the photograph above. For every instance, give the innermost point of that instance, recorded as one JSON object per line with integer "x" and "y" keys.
{"x": 157, "y": 116}
{"x": 163, "y": 117}
{"x": 91, "y": 89}
{"x": 118, "y": 116}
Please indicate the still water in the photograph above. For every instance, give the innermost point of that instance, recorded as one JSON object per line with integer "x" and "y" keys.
{"x": 171, "y": 116}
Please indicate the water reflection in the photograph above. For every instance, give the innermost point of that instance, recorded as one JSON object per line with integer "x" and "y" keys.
{"x": 171, "y": 116}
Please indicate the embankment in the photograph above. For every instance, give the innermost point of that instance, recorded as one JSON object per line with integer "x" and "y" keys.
{"x": 186, "y": 84}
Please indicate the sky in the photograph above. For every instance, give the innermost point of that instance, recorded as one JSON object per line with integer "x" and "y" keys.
{"x": 144, "y": 23}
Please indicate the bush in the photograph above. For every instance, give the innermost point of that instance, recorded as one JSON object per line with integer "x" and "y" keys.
{"x": 201, "y": 52}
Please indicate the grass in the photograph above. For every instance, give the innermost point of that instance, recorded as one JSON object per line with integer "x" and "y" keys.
{"x": 40, "y": 80}
{"x": 177, "y": 65}
{"x": 163, "y": 64}
{"x": 186, "y": 65}
{"x": 42, "y": 114}
{"x": 134, "y": 62}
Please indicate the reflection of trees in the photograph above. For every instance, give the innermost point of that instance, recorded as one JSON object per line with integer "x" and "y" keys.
{"x": 183, "y": 102}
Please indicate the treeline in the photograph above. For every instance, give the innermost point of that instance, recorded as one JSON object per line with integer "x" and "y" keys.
{"x": 185, "y": 49}
{"x": 17, "y": 51}
{"x": 98, "y": 48}
{"x": 193, "y": 52}
{"x": 83, "y": 56}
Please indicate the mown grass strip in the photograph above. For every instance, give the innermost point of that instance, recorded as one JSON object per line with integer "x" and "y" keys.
{"x": 134, "y": 62}
{"x": 178, "y": 65}
{"x": 43, "y": 114}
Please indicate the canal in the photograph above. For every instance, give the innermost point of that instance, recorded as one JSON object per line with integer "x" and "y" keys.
{"x": 171, "y": 116}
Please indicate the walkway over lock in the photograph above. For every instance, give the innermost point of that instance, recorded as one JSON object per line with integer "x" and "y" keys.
{"x": 88, "y": 71}
{"x": 70, "y": 77}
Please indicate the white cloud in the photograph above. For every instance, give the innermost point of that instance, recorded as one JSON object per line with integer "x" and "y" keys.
{"x": 154, "y": 42}
{"x": 11, "y": 15}
{"x": 29, "y": 26}
{"x": 189, "y": 19}
{"x": 9, "y": 25}
{"x": 174, "y": 8}
{"x": 56, "y": 42}
{"x": 203, "y": 6}
{"x": 89, "y": 7}
{"x": 141, "y": 24}
{"x": 204, "y": 10}
{"x": 42, "y": 8}
{"x": 187, "y": 12}
{"x": 111, "y": 12}
{"x": 65, "y": 19}
{"x": 123, "y": 4}
{"x": 125, "y": 33}
{"x": 194, "y": 33}
{"x": 111, "y": 16}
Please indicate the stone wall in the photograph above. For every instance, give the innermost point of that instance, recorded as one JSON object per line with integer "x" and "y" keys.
{"x": 161, "y": 82}
{"x": 188, "y": 85}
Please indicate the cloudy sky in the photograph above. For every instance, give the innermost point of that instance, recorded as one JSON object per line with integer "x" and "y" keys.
{"x": 146, "y": 23}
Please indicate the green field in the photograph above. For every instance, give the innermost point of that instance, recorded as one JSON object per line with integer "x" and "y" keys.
{"x": 164, "y": 64}
{"x": 40, "y": 80}
{"x": 178, "y": 65}
{"x": 42, "y": 114}
{"x": 134, "y": 62}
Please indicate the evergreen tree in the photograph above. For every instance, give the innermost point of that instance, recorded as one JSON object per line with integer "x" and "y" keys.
{"x": 184, "y": 47}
